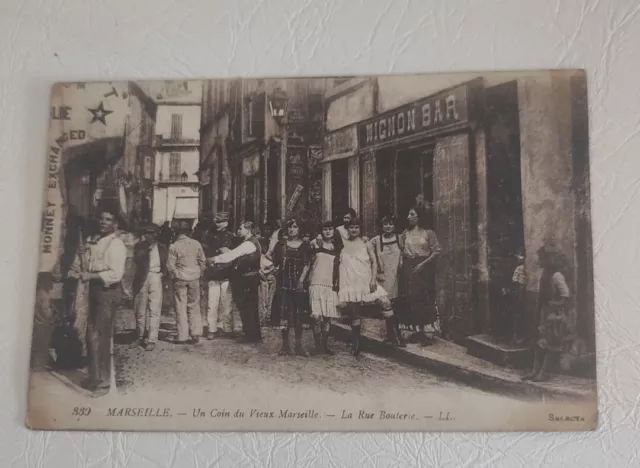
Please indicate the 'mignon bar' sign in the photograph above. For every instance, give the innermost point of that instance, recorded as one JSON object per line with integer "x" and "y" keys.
{"x": 420, "y": 116}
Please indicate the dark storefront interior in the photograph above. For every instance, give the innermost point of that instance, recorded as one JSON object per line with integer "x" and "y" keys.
{"x": 505, "y": 228}
{"x": 339, "y": 188}
{"x": 415, "y": 178}
{"x": 403, "y": 175}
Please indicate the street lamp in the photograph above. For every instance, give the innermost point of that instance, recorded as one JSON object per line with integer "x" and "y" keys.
{"x": 278, "y": 104}
{"x": 184, "y": 177}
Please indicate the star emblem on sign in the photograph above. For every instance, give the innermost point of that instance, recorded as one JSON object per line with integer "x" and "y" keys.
{"x": 99, "y": 114}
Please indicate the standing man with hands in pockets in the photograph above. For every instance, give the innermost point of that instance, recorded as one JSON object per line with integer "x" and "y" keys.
{"x": 185, "y": 266}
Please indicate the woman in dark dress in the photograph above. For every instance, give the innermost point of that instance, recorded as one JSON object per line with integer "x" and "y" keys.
{"x": 245, "y": 279}
{"x": 292, "y": 257}
{"x": 420, "y": 250}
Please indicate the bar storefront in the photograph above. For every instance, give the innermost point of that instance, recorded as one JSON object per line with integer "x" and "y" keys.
{"x": 420, "y": 153}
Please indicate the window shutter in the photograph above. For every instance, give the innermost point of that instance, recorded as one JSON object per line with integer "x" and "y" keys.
{"x": 176, "y": 127}
{"x": 174, "y": 166}
{"x": 256, "y": 116}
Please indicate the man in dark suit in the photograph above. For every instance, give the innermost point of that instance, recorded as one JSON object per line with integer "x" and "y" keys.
{"x": 150, "y": 257}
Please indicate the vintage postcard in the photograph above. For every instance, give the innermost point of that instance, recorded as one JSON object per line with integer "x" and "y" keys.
{"x": 374, "y": 253}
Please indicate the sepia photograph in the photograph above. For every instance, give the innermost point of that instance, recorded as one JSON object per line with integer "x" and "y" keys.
{"x": 357, "y": 253}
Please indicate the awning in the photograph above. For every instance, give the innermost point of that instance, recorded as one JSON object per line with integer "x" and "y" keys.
{"x": 186, "y": 208}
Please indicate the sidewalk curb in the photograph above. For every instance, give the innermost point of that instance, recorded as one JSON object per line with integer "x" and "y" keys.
{"x": 467, "y": 374}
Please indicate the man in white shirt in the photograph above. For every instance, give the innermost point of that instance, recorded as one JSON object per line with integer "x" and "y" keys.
{"x": 185, "y": 265}
{"x": 150, "y": 260}
{"x": 216, "y": 314}
{"x": 244, "y": 282}
{"x": 103, "y": 268}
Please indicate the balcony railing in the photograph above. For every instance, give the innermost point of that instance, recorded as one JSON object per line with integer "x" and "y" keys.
{"x": 163, "y": 140}
{"x": 176, "y": 179}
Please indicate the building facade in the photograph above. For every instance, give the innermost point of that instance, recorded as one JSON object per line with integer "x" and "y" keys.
{"x": 138, "y": 162}
{"x": 177, "y": 150}
{"x": 242, "y": 161}
{"x": 500, "y": 160}
{"x": 214, "y": 171}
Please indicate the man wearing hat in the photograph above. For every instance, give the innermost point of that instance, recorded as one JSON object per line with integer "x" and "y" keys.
{"x": 150, "y": 258}
{"x": 218, "y": 241}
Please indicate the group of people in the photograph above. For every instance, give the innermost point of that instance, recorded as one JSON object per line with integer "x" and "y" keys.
{"x": 287, "y": 279}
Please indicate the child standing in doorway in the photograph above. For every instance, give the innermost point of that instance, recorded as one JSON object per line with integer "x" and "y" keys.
{"x": 518, "y": 287}
{"x": 556, "y": 332}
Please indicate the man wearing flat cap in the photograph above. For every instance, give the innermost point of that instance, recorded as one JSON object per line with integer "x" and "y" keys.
{"x": 150, "y": 258}
{"x": 216, "y": 316}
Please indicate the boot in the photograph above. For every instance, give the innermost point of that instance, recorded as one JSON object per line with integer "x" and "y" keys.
{"x": 317, "y": 338}
{"x": 398, "y": 332}
{"x": 325, "y": 343}
{"x": 285, "y": 351}
{"x": 537, "y": 364}
{"x": 391, "y": 332}
{"x": 299, "y": 350}
{"x": 356, "y": 340}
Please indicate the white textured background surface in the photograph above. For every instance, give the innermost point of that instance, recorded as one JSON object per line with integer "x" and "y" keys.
{"x": 44, "y": 41}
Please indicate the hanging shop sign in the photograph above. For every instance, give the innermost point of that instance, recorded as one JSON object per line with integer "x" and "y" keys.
{"x": 425, "y": 115}
{"x": 295, "y": 198}
{"x": 251, "y": 164}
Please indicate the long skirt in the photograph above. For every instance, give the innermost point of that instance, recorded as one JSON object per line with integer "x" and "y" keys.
{"x": 290, "y": 309}
{"x": 245, "y": 296}
{"x": 418, "y": 293}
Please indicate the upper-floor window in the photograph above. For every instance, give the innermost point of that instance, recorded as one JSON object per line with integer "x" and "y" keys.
{"x": 176, "y": 127}
{"x": 316, "y": 107}
{"x": 254, "y": 115}
{"x": 147, "y": 168}
{"x": 174, "y": 166}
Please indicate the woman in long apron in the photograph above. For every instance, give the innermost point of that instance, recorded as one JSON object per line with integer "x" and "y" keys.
{"x": 420, "y": 250}
{"x": 386, "y": 247}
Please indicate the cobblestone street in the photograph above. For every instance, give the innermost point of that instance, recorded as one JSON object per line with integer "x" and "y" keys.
{"x": 225, "y": 364}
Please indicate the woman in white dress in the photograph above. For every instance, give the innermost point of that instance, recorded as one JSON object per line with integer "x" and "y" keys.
{"x": 323, "y": 278}
{"x": 357, "y": 281}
